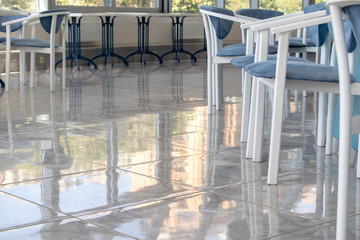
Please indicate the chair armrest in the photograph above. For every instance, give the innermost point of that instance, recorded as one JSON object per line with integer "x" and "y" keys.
{"x": 302, "y": 24}
{"x": 33, "y": 17}
{"x": 240, "y": 19}
{"x": 288, "y": 21}
{"x": 265, "y": 21}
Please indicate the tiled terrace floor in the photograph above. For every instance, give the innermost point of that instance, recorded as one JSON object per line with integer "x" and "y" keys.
{"x": 131, "y": 153}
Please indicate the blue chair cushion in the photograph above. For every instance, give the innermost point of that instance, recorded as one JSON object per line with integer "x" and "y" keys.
{"x": 294, "y": 43}
{"x": 222, "y": 26}
{"x": 296, "y": 71}
{"x": 28, "y": 42}
{"x": 46, "y": 21}
{"x": 243, "y": 61}
{"x": 309, "y": 43}
{"x": 317, "y": 33}
{"x": 259, "y": 13}
{"x": 3, "y": 39}
{"x": 239, "y": 49}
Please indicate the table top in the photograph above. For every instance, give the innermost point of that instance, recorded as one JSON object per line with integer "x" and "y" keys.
{"x": 135, "y": 14}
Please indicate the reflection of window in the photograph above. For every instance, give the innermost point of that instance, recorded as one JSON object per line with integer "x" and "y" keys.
{"x": 237, "y": 4}
{"x": 282, "y": 5}
{"x": 189, "y": 6}
{"x": 25, "y": 5}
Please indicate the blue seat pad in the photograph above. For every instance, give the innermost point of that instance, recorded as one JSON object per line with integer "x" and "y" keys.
{"x": 3, "y": 39}
{"x": 28, "y": 42}
{"x": 243, "y": 61}
{"x": 297, "y": 71}
{"x": 239, "y": 49}
{"x": 295, "y": 40}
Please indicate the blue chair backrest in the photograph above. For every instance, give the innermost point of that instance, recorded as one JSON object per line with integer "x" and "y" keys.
{"x": 349, "y": 36}
{"x": 317, "y": 33}
{"x": 9, "y": 15}
{"x": 46, "y": 21}
{"x": 353, "y": 13}
{"x": 222, "y": 27}
{"x": 259, "y": 13}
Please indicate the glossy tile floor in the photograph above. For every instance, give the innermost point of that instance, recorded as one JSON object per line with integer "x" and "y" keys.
{"x": 131, "y": 153}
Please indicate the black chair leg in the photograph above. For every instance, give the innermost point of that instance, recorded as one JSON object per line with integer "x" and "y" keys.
{"x": 2, "y": 83}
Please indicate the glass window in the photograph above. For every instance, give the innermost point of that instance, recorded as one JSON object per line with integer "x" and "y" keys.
{"x": 83, "y": 3}
{"x": 237, "y": 4}
{"x": 189, "y": 6}
{"x": 137, "y": 3}
{"x": 25, "y": 5}
{"x": 285, "y": 6}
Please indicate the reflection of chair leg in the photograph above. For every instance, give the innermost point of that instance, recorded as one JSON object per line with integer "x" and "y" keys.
{"x": 273, "y": 210}
{"x": 9, "y": 122}
{"x": 357, "y": 217}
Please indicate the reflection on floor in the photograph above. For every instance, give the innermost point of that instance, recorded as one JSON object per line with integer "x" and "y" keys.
{"x": 131, "y": 153}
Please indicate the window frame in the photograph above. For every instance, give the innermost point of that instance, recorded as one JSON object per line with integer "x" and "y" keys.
{"x": 113, "y": 8}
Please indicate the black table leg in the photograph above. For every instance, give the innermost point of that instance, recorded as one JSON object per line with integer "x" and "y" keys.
{"x": 178, "y": 39}
{"x": 143, "y": 41}
{"x": 107, "y": 41}
{"x": 74, "y": 41}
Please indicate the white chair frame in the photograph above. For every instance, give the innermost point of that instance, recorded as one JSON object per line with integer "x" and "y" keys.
{"x": 32, "y": 21}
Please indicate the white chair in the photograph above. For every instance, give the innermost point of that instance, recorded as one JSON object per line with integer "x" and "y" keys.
{"x": 249, "y": 89}
{"x": 8, "y": 15}
{"x": 218, "y": 23}
{"x": 283, "y": 75}
{"x": 348, "y": 125}
{"x": 51, "y": 21}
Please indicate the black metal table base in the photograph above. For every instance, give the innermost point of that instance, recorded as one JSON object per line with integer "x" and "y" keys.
{"x": 178, "y": 39}
{"x": 74, "y": 40}
{"x": 107, "y": 42}
{"x": 143, "y": 41}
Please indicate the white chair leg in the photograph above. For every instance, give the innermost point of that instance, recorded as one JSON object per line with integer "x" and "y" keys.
{"x": 245, "y": 107}
{"x": 321, "y": 120}
{"x": 214, "y": 83}
{"x": 250, "y": 135}
{"x": 32, "y": 69}
{"x": 209, "y": 86}
{"x": 259, "y": 122}
{"x": 275, "y": 139}
{"x": 277, "y": 115}
{"x": 219, "y": 90}
{"x": 329, "y": 123}
{"x": 52, "y": 72}
{"x": 358, "y": 160}
{"x": 22, "y": 67}
{"x": 64, "y": 69}
{"x": 7, "y": 67}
